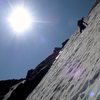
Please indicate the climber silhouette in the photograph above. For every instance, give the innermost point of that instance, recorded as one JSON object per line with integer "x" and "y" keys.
{"x": 82, "y": 24}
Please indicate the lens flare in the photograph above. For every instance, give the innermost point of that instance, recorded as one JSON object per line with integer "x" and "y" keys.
{"x": 91, "y": 94}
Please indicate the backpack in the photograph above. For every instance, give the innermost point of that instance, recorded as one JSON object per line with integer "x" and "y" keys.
{"x": 79, "y": 23}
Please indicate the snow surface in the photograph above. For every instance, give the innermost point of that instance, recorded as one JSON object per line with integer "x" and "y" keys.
{"x": 75, "y": 74}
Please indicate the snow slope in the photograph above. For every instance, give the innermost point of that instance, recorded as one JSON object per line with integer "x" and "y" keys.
{"x": 75, "y": 74}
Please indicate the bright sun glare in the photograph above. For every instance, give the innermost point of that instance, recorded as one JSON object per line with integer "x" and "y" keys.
{"x": 20, "y": 19}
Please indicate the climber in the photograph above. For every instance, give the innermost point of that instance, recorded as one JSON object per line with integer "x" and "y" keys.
{"x": 81, "y": 24}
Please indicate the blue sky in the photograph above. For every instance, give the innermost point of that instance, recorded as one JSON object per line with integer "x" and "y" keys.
{"x": 57, "y": 21}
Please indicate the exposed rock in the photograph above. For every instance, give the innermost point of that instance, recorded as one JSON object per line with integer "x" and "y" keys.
{"x": 6, "y": 85}
{"x": 34, "y": 76}
{"x": 46, "y": 64}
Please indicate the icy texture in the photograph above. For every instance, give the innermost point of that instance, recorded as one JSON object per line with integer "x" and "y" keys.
{"x": 75, "y": 74}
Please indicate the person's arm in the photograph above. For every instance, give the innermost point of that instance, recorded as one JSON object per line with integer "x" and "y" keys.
{"x": 85, "y": 22}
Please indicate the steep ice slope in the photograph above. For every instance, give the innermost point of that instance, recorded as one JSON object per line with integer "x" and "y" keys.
{"x": 75, "y": 74}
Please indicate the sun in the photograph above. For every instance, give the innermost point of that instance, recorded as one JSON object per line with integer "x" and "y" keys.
{"x": 20, "y": 19}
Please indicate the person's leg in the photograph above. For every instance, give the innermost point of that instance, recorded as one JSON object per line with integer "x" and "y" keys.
{"x": 80, "y": 29}
{"x": 83, "y": 27}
